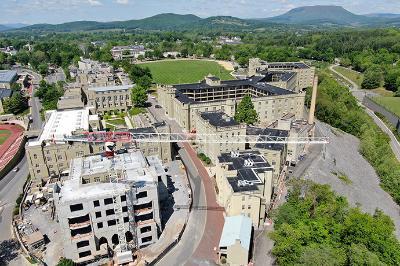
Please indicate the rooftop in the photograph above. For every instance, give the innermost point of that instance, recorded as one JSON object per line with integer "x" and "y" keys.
{"x": 140, "y": 171}
{"x": 219, "y": 119}
{"x": 268, "y": 132}
{"x": 5, "y": 93}
{"x": 294, "y": 65}
{"x": 111, "y": 88}
{"x": 63, "y": 123}
{"x": 7, "y": 76}
{"x": 248, "y": 165}
{"x": 275, "y": 76}
{"x": 236, "y": 228}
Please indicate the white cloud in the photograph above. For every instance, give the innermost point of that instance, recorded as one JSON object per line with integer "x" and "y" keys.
{"x": 122, "y": 2}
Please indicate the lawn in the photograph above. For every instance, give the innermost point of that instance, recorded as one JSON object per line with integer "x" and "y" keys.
{"x": 350, "y": 74}
{"x": 185, "y": 71}
{"x": 4, "y": 134}
{"x": 391, "y": 103}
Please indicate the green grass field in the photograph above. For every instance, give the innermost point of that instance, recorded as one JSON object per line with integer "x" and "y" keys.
{"x": 4, "y": 134}
{"x": 350, "y": 74}
{"x": 391, "y": 103}
{"x": 185, "y": 71}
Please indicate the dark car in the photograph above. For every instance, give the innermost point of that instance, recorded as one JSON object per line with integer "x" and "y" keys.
{"x": 157, "y": 106}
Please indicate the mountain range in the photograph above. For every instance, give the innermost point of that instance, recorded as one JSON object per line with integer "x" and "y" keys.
{"x": 313, "y": 16}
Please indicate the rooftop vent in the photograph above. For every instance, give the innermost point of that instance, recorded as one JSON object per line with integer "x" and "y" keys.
{"x": 234, "y": 154}
{"x": 248, "y": 162}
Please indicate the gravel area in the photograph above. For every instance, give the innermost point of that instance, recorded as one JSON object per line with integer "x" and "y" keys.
{"x": 342, "y": 157}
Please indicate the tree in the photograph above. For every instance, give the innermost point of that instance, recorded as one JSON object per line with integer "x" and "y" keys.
{"x": 139, "y": 96}
{"x": 372, "y": 78}
{"x": 144, "y": 82}
{"x": 16, "y": 104}
{"x": 65, "y": 262}
{"x": 136, "y": 72}
{"x": 245, "y": 111}
{"x": 392, "y": 78}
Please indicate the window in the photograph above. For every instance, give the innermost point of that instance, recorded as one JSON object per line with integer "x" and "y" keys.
{"x": 97, "y": 179}
{"x": 38, "y": 171}
{"x": 124, "y": 209}
{"x": 82, "y": 244}
{"x": 76, "y": 207}
{"x": 85, "y": 254}
{"x": 111, "y": 222}
{"x": 142, "y": 194}
{"x": 50, "y": 166}
{"x": 59, "y": 157}
{"x": 34, "y": 156}
{"x": 96, "y": 203}
{"x": 110, "y": 212}
{"x": 147, "y": 239}
{"x": 249, "y": 207}
{"x": 100, "y": 225}
{"x": 243, "y": 207}
{"x": 126, "y": 219}
{"x": 108, "y": 201}
{"x": 243, "y": 198}
{"x": 145, "y": 229}
{"x": 98, "y": 214}
{"x": 123, "y": 198}
{"x": 36, "y": 165}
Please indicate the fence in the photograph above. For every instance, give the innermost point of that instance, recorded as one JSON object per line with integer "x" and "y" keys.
{"x": 391, "y": 117}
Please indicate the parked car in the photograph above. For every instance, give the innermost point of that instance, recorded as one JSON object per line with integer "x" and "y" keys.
{"x": 16, "y": 169}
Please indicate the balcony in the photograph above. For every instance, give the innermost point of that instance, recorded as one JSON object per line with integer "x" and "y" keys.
{"x": 79, "y": 225}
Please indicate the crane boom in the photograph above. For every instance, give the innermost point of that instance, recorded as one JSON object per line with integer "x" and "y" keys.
{"x": 127, "y": 137}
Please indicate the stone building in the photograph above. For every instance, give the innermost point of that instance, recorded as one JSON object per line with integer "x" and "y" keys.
{"x": 182, "y": 102}
{"x": 244, "y": 184}
{"x": 109, "y": 98}
{"x": 305, "y": 73}
{"x": 218, "y": 123}
{"x": 92, "y": 207}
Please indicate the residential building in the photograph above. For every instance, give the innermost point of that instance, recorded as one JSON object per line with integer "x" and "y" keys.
{"x": 4, "y": 95}
{"x": 50, "y": 155}
{"x": 109, "y": 98}
{"x": 182, "y": 102}
{"x": 274, "y": 153}
{"x": 101, "y": 195}
{"x": 172, "y": 54}
{"x": 7, "y": 78}
{"x": 235, "y": 243}
{"x": 229, "y": 41}
{"x": 93, "y": 73}
{"x": 305, "y": 73}
{"x": 127, "y": 52}
{"x": 10, "y": 50}
{"x": 160, "y": 149}
{"x": 244, "y": 184}
{"x": 219, "y": 123}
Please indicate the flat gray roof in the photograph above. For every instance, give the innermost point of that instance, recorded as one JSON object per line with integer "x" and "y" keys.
{"x": 6, "y": 76}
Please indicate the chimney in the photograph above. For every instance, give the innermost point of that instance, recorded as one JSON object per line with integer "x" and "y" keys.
{"x": 313, "y": 101}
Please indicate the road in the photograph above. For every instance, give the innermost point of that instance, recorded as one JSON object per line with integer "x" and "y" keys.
{"x": 359, "y": 94}
{"x": 11, "y": 185}
{"x": 204, "y": 226}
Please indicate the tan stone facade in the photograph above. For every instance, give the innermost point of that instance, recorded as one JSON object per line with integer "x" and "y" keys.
{"x": 105, "y": 99}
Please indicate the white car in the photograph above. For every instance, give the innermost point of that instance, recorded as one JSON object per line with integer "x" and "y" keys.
{"x": 16, "y": 169}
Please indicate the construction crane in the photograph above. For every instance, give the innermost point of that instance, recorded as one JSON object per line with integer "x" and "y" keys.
{"x": 128, "y": 137}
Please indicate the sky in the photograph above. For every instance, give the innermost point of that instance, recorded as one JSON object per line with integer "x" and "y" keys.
{"x": 59, "y": 11}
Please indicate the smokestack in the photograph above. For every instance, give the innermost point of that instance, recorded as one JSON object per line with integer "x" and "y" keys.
{"x": 313, "y": 101}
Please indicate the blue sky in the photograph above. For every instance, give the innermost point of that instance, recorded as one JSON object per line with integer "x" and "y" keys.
{"x": 58, "y": 11}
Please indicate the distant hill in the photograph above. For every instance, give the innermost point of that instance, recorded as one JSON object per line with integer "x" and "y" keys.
{"x": 11, "y": 26}
{"x": 320, "y": 15}
{"x": 383, "y": 15}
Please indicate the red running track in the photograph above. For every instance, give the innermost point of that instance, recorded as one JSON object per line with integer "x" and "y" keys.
{"x": 215, "y": 218}
{"x": 10, "y": 147}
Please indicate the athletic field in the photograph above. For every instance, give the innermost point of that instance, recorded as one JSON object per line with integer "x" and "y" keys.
{"x": 391, "y": 103}
{"x": 185, "y": 71}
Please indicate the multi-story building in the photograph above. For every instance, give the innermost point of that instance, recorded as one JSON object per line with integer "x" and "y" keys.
{"x": 127, "y": 52}
{"x": 235, "y": 243}
{"x": 219, "y": 123}
{"x": 93, "y": 73}
{"x": 72, "y": 98}
{"x": 4, "y": 95}
{"x": 161, "y": 149}
{"x": 50, "y": 155}
{"x": 110, "y": 98}
{"x": 244, "y": 184}
{"x": 305, "y": 73}
{"x": 182, "y": 102}
{"x": 106, "y": 198}
{"x": 7, "y": 78}
{"x": 224, "y": 40}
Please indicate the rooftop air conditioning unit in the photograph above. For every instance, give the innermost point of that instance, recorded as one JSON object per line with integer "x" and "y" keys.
{"x": 234, "y": 154}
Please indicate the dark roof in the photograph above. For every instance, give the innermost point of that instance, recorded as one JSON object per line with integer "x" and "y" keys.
{"x": 142, "y": 130}
{"x": 297, "y": 65}
{"x": 252, "y": 82}
{"x": 5, "y": 93}
{"x": 273, "y": 132}
{"x": 7, "y": 76}
{"x": 247, "y": 175}
{"x": 283, "y": 76}
{"x": 219, "y": 119}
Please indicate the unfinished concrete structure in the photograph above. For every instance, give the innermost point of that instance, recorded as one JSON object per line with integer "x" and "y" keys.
{"x": 104, "y": 198}
{"x": 244, "y": 184}
{"x": 182, "y": 102}
{"x": 305, "y": 73}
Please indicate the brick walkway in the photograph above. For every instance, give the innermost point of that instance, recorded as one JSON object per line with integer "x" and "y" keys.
{"x": 206, "y": 250}
{"x": 10, "y": 147}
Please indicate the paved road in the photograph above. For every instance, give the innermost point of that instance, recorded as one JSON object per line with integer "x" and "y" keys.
{"x": 359, "y": 94}
{"x": 10, "y": 188}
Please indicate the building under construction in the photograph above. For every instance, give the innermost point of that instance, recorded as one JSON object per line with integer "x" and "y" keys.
{"x": 110, "y": 203}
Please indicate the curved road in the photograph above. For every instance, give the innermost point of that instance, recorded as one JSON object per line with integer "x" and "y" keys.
{"x": 359, "y": 94}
